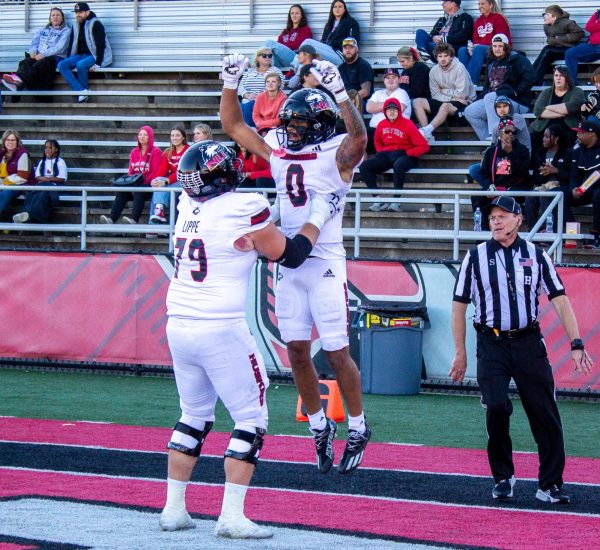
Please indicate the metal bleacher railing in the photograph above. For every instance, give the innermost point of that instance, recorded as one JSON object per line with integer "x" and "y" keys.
{"x": 358, "y": 198}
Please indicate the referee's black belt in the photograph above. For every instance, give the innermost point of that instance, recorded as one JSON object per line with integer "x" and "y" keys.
{"x": 532, "y": 328}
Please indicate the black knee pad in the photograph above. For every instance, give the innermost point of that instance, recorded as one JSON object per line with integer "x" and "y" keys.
{"x": 198, "y": 435}
{"x": 256, "y": 444}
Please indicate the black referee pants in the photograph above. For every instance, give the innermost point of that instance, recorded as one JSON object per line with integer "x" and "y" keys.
{"x": 525, "y": 360}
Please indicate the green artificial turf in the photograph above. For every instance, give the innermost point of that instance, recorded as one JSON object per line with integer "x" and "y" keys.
{"x": 428, "y": 419}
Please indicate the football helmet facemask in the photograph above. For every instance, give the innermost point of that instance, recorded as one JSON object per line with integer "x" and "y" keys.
{"x": 313, "y": 106}
{"x": 208, "y": 169}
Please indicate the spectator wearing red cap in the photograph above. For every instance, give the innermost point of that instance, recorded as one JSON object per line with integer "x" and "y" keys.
{"x": 399, "y": 144}
{"x": 490, "y": 23}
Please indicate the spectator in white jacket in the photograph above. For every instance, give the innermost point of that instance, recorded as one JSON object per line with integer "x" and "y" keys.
{"x": 451, "y": 91}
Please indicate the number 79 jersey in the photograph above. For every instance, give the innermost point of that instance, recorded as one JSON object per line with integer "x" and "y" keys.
{"x": 211, "y": 276}
{"x": 311, "y": 169}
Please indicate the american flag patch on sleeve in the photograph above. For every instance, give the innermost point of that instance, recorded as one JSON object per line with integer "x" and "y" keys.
{"x": 260, "y": 217}
{"x": 525, "y": 262}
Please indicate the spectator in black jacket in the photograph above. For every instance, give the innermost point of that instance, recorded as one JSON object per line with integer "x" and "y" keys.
{"x": 504, "y": 167}
{"x": 454, "y": 27}
{"x": 586, "y": 161}
{"x": 355, "y": 71}
{"x": 508, "y": 73}
{"x": 338, "y": 27}
{"x": 551, "y": 168}
{"x": 414, "y": 74}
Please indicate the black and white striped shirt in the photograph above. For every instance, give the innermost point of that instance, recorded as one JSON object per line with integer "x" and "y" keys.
{"x": 505, "y": 283}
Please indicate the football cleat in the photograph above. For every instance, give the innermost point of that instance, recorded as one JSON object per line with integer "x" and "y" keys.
{"x": 324, "y": 445}
{"x": 240, "y": 528}
{"x": 354, "y": 451}
{"x": 171, "y": 520}
{"x": 504, "y": 488}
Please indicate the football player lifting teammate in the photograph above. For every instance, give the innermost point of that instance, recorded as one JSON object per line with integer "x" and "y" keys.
{"x": 306, "y": 156}
{"x": 218, "y": 236}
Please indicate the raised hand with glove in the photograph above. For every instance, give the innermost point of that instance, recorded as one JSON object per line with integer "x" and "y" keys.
{"x": 233, "y": 68}
{"x": 329, "y": 77}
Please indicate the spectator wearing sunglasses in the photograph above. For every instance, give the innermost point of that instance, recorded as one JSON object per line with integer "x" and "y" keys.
{"x": 253, "y": 81}
{"x": 560, "y": 104}
{"x": 504, "y": 167}
{"x": 562, "y": 33}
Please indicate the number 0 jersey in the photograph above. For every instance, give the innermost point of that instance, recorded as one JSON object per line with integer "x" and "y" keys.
{"x": 211, "y": 276}
{"x": 312, "y": 168}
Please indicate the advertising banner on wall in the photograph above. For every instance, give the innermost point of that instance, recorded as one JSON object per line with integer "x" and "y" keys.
{"x": 110, "y": 308}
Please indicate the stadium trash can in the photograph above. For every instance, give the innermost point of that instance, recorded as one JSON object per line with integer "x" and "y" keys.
{"x": 391, "y": 347}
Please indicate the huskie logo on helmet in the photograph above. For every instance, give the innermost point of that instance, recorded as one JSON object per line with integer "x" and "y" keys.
{"x": 308, "y": 118}
{"x": 208, "y": 169}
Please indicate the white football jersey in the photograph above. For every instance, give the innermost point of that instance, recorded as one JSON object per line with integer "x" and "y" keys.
{"x": 312, "y": 168}
{"x": 211, "y": 276}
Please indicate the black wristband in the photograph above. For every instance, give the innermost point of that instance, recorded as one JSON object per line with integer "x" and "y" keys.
{"x": 577, "y": 344}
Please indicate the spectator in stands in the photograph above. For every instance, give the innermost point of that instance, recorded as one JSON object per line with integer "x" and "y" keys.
{"x": 166, "y": 175}
{"x": 504, "y": 108}
{"x": 591, "y": 107}
{"x": 504, "y": 167}
{"x": 48, "y": 47}
{"x": 356, "y": 72}
{"x": 414, "y": 74}
{"x": 562, "y": 33}
{"x": 15, "y": 167}
{"x": 455, "y": 27}
{"x": 399, "y": 144}
{"x": 289, "y": 41}
{"x": 508, "y": 73}
{"x": 202, "y": 132}
{"x": 560, "y": 104}
{"x": 305, "y": 57}
{"x": 586, "y": 161}
{"x": 51, "y": 171}
{"x": 268, "y": 104}
{"x": 490, "y": 23}
{"x": 551, "y": 168}
{"x": 340, "y": 25}
{"x": 257, "y": 171}
{"x": 451, "y": 91}
{"x": 253, "y": 81}
{"x": 588, "y": 51}
{"x": 145, "y": 158}
{"x": 89, "y": 49}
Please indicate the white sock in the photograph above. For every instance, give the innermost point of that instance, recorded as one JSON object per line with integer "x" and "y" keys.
{"x": 357, "y": 423}
{"x": 233, "y": 500}
{"x": 176, "y": 494}
{"x": 317, "y": 421}
{"x": 429, "y": 128}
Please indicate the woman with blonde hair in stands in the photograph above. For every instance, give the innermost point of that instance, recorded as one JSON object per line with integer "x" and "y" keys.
{"x": 253, "y": 81}
{"x": 202, "y": 132}
{"x": 268, "y": 104}
{"x": 166, "y": 175}
{"x": 490, "y": 23}
{"x": 15, "y": 167}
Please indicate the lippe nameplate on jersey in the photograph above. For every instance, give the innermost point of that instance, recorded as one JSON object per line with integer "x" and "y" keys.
{"x": 374, "y": 320}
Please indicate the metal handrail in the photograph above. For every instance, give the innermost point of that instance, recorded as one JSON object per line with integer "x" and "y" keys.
{"x": 358, "y": 197}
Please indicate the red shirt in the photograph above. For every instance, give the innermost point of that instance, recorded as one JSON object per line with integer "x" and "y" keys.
{"x": 485, "y": 28}
{"x": 266, "y": 110}
{"x": 294, "y": 37}
{"x": 401, "y": 134}
{"x": 255, "y": 166}
{"x": 168, "y": 164}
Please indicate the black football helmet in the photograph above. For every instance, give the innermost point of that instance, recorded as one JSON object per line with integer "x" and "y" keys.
{"x": 317, "y": 109}
{"x": 208, "y": 169}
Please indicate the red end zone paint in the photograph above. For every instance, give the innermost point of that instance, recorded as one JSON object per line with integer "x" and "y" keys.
{"x": 417, "y": 521}
{"x": 286, "y": 448}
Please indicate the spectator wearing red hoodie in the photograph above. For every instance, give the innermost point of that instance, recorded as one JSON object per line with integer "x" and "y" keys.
{"x": 257, "y": 171}
{"x": 145, "y": 157}
{"x": 399, "y": 144}
{"x": 490, "y": 23}
{"x": 588, "y": 51}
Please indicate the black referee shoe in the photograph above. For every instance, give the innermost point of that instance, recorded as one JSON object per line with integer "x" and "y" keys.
{"x": 554, "y": 495}
{"x": 504, "y": 488}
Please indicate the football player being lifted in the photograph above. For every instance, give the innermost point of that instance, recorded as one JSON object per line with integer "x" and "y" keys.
{"x": 218, "y": 237}
{"x": 306, "y": 156}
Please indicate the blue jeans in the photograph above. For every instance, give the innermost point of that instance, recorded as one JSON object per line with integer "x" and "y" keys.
{"x": 282, "y": 55}
{"x": 247, "y": 108}
{"x": 6, "y": 198}
{"x": 581, "y": 53}
{"x": 424, "y": 42}
{"x": 474, "y": 62}
{"x": 80, "y": 62}
{"x": 162, "y": 197}
{"x": 326, "y": 52}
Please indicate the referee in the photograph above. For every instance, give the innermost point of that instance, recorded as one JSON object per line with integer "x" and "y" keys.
{"x": 504, "y": 277}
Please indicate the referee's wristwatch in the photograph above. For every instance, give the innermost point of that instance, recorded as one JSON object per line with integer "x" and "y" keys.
{"x": 577, "y": 344}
